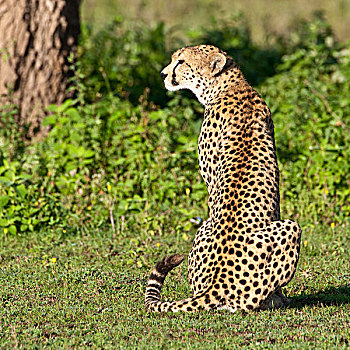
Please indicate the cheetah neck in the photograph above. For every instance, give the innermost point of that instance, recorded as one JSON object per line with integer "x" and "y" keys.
{"x": 229, "y": 81}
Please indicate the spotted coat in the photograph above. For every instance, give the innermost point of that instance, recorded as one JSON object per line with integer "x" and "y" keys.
{"x": 243, "y": 253}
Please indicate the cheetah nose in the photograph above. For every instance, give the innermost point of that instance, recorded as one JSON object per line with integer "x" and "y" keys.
{"x": 163, "y": 75}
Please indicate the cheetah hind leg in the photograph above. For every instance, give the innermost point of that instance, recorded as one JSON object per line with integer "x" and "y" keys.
{"x": 276, "y": 300}
{"x": 286, "y": 237}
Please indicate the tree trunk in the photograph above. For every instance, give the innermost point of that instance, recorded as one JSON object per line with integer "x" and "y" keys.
{"x": 37, "y": 36}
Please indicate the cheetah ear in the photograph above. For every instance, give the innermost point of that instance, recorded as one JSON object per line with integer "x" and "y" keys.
{"x": 217, "y": 62}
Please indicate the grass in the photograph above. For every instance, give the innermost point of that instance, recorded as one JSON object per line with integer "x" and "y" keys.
{"x": 83, "y": 292}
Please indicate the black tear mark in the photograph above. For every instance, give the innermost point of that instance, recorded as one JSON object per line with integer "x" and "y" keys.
{"x": 173, "y": 81}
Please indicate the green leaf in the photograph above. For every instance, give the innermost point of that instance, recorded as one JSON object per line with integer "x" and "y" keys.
{"x": 3, "y": 222}
{"x": 73, "y": 113}
{"x": 21, "y": 191}
{"x": 23, "y": 228}
{"x": 52, "y": 108}
{"x": 4, "y": 200}
{"x": 50, "y": 120}
{"x": 13, "y": 229}
{"x": 5, "y": 181}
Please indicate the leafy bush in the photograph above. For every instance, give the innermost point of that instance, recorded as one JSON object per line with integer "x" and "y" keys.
{"x": 124, "y": 61}
{"x": 109, "y": 156}
{"x": 310, "y": 102}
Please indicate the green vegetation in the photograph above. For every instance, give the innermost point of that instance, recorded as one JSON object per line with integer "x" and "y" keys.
{"x": 88, "y": 209}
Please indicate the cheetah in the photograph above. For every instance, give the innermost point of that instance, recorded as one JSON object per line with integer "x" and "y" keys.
{"x": 243, "y": 254}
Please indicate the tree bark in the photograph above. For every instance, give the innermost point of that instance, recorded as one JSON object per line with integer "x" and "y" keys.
{"x": 37, "y": 37}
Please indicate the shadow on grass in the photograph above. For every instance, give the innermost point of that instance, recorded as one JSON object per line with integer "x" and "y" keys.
{"x": 328, "y": 297}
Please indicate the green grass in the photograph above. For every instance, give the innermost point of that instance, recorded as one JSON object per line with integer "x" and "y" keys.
{"x": 92, "y": 296}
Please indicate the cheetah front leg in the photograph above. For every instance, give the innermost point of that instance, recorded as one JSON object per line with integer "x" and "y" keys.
{"x": 199, "y": 272}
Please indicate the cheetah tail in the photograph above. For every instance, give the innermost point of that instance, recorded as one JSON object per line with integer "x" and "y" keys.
{"x": 155, "y": 283}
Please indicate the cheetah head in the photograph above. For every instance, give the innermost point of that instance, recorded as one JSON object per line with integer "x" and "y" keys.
{"x": 195, "y": 68}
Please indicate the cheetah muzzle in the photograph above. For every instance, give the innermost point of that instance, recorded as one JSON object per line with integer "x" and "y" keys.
{"x": 243, "y": 254}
